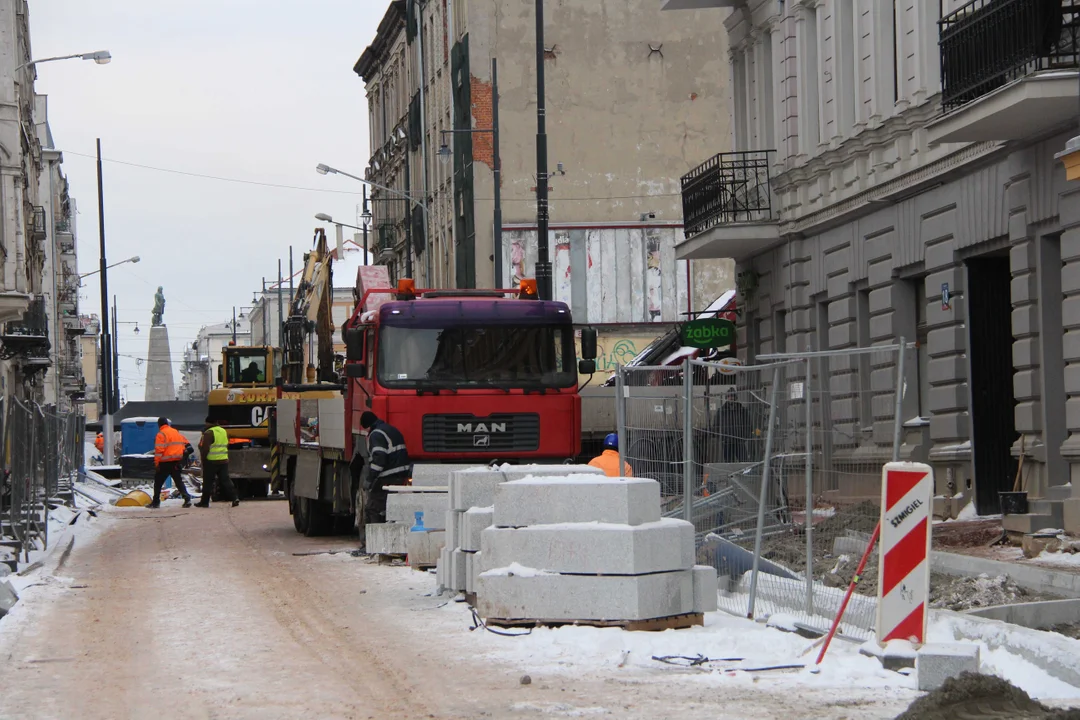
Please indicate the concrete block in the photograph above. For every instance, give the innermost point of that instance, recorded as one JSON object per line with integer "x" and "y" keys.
{"x": 403, "y": 507}
{"x": 593, "y": 548}
{"x": 457, "y": 570}
{"x": 937, "y": 662}
{"x": 387, "y": 538}
{"x": 474, "y": 522}
{"x": 8, "y": 598}
{"x": 472, "y": 571}
{"x": 539, "y": 596}
{"x": 705, "y": 588}
{"x": 453, "y": 529}
{"x": 425, "y": 547}
{"x": 475, "y": 487}
{"x": 434, "y": 475}
{"x": 577, "y": 498}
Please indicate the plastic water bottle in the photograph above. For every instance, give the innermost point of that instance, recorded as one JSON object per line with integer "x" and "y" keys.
{"x": 419, "y": 526}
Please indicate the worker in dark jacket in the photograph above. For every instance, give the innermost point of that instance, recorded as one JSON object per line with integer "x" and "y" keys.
{"x": 387, "y": 464}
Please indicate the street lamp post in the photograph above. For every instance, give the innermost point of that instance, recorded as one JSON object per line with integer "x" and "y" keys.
{"x": 543, "y": 267}
{"x": 101, "y": 57}
{"x": 106, "y": 340}
{"x": 134, "y": 259}
{"x": 323, "y": 217}
{"x": 445, "y": 154}
{"x": 324, "y": 169}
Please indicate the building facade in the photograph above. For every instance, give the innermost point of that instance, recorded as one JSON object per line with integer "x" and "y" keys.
{"x": 40, "y": 355}
{"x": 890, "y": 182}
{"x": 632, "y": 104}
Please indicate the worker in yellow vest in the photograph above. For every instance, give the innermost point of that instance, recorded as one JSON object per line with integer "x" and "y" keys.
{"x": 214, "y": 451}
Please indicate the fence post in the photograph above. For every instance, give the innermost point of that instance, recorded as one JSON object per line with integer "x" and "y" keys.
{"x": 809, "y": 398}
{"x": 620, "y": 414}
{"x": 764, "y": 492}
{"x": 688, "y": 440}
{"x": 898, "y": 422}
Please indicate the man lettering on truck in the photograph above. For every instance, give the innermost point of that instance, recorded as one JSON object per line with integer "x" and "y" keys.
{"x": 387, "y": 464}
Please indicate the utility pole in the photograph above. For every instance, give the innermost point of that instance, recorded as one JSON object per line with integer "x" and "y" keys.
{"x": 106, "y": 341}
{"x": 280, "y": 316}
{"x": 116, "y": 355}
{"x": 497, "y": 159}
{"x": 365, "y": 215}
{"x": 234, "y": 325}
{"x": 543, "y": 266}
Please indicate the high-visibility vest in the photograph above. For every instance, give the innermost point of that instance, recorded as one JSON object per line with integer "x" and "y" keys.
{"x": 219, "y": 449}
{"x": 608, "y": 461}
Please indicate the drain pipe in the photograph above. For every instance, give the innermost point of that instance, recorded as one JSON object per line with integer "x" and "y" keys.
{"x": 423, "y": 142}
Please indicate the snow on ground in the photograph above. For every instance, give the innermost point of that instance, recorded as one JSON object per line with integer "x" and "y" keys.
{"x": 1059, "y": 559}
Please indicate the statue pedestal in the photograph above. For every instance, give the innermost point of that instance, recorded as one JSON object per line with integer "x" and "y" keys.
{"x": 159, "y": 370}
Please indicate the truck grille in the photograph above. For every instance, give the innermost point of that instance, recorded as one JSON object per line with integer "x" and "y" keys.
{"x": 483, "y": 435}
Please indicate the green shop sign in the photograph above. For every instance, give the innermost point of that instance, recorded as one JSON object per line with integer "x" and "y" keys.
{"x": 708, "y": 333}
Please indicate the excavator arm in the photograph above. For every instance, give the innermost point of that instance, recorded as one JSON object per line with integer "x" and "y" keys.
{"x": 311, "y": 312}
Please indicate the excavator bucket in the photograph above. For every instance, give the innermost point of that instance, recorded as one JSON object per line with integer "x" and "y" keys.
{"x": 135, "y": 498}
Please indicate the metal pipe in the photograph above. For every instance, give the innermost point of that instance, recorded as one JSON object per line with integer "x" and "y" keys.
{"x": 829, "y": 353}
{"x": 898, "y": 423}
{"x": 366, "y": 223}
{"x": 106, "y": 345}
{"x": 497, "y": 159}
{"x": 808, "y": 397}
{"x": 620, "y": 413}
{"x": 688, "y": 440}
{"x": 423, "y": 139}
{"x": 543, "y": 266}
{"x": 280, "y": 316}
{"x": 115, "y": 356}
{"x": 763, "y": 494}
{"x": 292, "y": 287}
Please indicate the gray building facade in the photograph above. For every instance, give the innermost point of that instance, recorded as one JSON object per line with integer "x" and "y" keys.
{"x": 891, "y": 186}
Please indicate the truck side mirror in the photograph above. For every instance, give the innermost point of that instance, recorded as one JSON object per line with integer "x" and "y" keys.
{"x": 586, "y": 367}
{"x": 220, "y": 373}
{"x": 588, "y": 343}
{"x": 356, "y": 371}
{"x": 354, "y": 344}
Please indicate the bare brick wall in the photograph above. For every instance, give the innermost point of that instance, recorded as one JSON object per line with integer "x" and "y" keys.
{"x": 483, "y": 147}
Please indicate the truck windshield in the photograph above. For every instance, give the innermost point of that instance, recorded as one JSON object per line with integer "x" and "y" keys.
{"x": 245, "y": 367}
{"x": 469, "y": 356}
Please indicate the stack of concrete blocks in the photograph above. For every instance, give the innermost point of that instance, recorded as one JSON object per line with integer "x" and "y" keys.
{"x": 472, "y": 496}
{"x": 427, "y": 494}
{"x": 588, "y": 548}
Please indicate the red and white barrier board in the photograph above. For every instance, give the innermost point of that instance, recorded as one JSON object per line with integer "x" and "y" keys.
{"x": 907, "y": 500}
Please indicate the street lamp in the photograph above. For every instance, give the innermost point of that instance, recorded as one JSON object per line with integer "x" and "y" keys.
{"x": 445, "y": 154}
{"x": 101, "y": 57}
{"x": 133, "y": 260}
{"x": 543, "y": 267}
{"x": 324, "y": 169}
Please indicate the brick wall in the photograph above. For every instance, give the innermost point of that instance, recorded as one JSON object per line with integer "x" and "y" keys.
{"x": 483, "y": 149}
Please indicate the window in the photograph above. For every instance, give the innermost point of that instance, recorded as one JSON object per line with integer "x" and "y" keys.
{"x": 245, "y": 367}
{"x": 369, "y": 351}
{"x": 862, "y": 321}
{"x": 477, "y": 356}
{"x": 811, "y": 109}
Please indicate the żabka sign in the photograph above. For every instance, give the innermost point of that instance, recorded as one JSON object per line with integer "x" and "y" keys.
{"x": 907, "y": 495}
{"x": 708, "y": 333}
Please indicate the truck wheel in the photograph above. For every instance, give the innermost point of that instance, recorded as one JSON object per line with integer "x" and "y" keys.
{"x": 300, "y": 516}
{"x": 320, "y": 520}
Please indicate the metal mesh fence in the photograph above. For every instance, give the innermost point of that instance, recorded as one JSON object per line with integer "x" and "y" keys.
{"x": 42, "y": 453}
{"x": 785, "y": 528}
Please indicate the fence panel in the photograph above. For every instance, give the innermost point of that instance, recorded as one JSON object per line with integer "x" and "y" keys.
{"x": 783, "y": 478}
{"x": 42, "y": 452}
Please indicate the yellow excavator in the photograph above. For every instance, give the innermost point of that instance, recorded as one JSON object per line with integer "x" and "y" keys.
{"x": 249, "y": 375}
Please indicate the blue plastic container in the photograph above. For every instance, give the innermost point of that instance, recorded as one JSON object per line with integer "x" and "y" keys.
{"x": 137, "y": 436}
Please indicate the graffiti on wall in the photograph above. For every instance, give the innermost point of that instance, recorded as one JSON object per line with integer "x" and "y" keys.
{"x": 614, "y": 351}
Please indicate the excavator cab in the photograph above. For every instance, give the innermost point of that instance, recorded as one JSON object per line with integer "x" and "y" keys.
{"x": 250, "y": 367}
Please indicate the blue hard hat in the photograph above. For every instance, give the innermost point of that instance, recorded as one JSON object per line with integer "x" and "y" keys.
{"x": 611, "y": 442}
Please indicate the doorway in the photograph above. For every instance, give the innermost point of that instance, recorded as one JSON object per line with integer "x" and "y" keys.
{"x": 993, "y": 406}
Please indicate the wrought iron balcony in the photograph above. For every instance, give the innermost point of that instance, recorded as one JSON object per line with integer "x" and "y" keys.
{"x": 987, "y": 44}
{"x": 387, "y": 235}
{"x": 727, "y": 189}
{"x": 38, "y": 228}
{"x": 28, "y": 338}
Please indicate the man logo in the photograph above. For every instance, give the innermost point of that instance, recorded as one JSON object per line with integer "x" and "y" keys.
{"x": 481, "y": 441}
{"x": 470, "y": 428}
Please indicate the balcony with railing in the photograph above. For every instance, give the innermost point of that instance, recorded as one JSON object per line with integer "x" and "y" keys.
{"x": 727, "y": 207}
{"x": 28, "y": 338}
{"x": 38, "y": 228}
{"x": 1008, "y": 69}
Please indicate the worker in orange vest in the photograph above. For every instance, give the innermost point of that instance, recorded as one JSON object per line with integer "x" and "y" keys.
{"x": 99, "y": 443}
{"x": 169, "y": 446}
{"x": 608, "y": 461}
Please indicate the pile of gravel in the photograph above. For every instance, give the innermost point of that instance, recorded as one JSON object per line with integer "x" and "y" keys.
{"x": 964, "y": 593}
{"x": 975, "y": 697}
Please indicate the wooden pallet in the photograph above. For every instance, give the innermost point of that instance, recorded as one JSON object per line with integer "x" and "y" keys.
{"x": 674, "y": 622}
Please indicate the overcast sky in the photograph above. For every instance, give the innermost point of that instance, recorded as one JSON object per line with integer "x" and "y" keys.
{"x": 259, "y": 90}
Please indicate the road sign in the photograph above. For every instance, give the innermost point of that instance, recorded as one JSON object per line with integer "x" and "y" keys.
{"x": 728, "y": 365}
{"x": 708, "y": 333}
{"x": 907, "y": 496}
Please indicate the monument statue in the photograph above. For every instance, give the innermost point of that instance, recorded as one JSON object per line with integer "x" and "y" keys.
{"x": 159, "y": 308}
